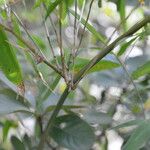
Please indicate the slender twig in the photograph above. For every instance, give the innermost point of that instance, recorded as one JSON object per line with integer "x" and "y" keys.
{"x": 50, "y": 44}
{"x": 72, "y": 56}
{"x": 64, "y": 70}
{"x": 131, "y": 80}
{"x": 79, "y": 21}
{"x": 81, "y": 74}
{"x": 52, "y": 118}
{"x": 80, "y": 42}
{"x": 109, "y": 48}
{"x": 27, "y": 32}
{"x": 72, "y": 53}
{"x": 75, "y": 23}
{"x": 52, "y": 23}
{"x": 31, "y": 48}
{"x": 109, "y": 39}
{"x": 127, "y": 55}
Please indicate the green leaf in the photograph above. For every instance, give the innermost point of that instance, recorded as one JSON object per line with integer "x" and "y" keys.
{"x": 121, "y": 4}
{"x": 99, "y": 3}
{"x": 97, "y": 117}
{"x": 6, "y": 126}
{"x": 15, "y": 24}
{"x": 128, "y": 124}
{"x": 64, "y": 7}
{"x": 51, "y": 7}
{"x": 52, "y": 107}
{"x": 2, "y": 2}
{"x": 17, "y": 144}
{"x": 72, "y": 132}
{"x": 102, "y": 65}
{"x": 27, "y": 141}
{"x": 141, "y": 71}
{"x": 139, "y": 137}
{"x": 39, "y": 42}
{"x": 9, "y": 102}
{"x": 8, "y": 60}
{"x": 125, "y": 46}
{"x": 37, "y": 3}
{"x": 99, "y": 36}
{"x": 47, "y": 92}
{"x": 80, "y": 3}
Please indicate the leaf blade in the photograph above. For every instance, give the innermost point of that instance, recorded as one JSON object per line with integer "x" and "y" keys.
{"x": 141, "y": 71}
{"x": 139, "y": 137}
{"x": 90, "y": 28}
{"x": 8, "y": 60}
{"x": 69, "y": 137}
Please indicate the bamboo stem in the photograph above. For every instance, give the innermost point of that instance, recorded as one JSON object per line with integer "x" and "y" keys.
{"x": 82, "y": 73}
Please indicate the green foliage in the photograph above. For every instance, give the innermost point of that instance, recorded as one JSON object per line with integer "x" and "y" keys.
{"x": 17, "y": 144}
{"x": 121, "y": 8}
{"x": 7, "y": 125}
{"x": 72, "y": 132}
{"x": 102, "y": 65}
{"x": 8, "y": 60}
{"x": 54, "y": 97}
{"x": 141, "y": 71}
{"x": 10, "y": 104}
{"x": 138, "y": 137}
{"x": 98, "y": 35}
{"x": 52, "y": 6}
{"x": 125, "y": 45}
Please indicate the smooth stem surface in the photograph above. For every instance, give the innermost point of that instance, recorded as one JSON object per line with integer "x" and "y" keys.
{"x": 52, "y": 119}
{"x": 109, "y": 48}
{"x": 82, "y": 73}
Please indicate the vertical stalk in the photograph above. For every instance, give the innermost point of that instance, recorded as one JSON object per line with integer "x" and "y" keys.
{"x": 52, "y": 119}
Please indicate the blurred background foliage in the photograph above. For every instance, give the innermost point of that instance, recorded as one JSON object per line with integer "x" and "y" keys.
{"x": 115, "y": 92}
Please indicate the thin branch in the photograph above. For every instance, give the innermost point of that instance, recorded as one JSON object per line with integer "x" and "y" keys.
{"x": 52, "y": 119}
{"x": 52, "y": 23}
{"x": 27, "y": 32}
{"x": 80, "y": 42}
{"x": 75, "y": 50}
{"x": 72, "y": 56}
{"x": 75, "y": 23}
{"x": 109, "y": 39}
{"x": 131, "y": 80}
{"x": 31, "y": 48}
{"x": 52, "y": 50}
{"x": 72, "y": 53}
{"x": 79, "y": 21}
{"x": 64, "y": 70}
{"x": 109, "y": 48}
{"x": 81, "y": 74}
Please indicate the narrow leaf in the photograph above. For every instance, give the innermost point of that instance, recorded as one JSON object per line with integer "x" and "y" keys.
{"x": 128, "y": 124}
{"x": 121, "y": 8}
{"x": 141, "y": 71}
{"x": 52, "y": 6}
{"x": 90, "y": 28}
{"x": 9, "y": 103}
{"x": 8, "y": 60}
{"x": 139, "y": 137}
{"x": 125, "y": 46}
{"x": 97, "y": 117}
{"x": 102, "y": 65}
